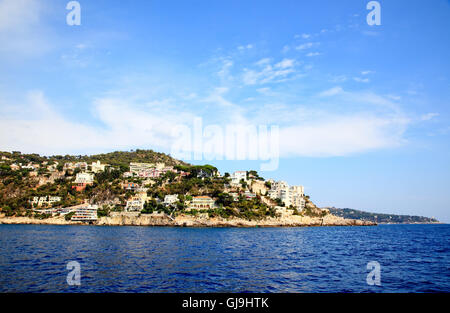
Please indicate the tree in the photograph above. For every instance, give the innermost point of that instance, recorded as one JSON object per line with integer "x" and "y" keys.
{"x": 224, "y": 199}
{"x": 68, "y": 216}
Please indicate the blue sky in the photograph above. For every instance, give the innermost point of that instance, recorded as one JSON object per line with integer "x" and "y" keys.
{"x": 363, "y": 111}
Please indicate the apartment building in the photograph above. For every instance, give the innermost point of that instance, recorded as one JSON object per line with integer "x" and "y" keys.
{"x": 85, "y": 213}
{"x": 149, "y": 170}
{"x": 135, "y": 168}
{"x": 72, "y": 166}
{"x": 290, "y": 195}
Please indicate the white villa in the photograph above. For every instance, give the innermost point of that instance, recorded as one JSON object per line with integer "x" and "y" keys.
{"x": 71, "y": 166}
{"x": 84, "y": 178}
{"x": 45, "y": 201}
{"x": 136, "y": 203}
{"x": 237, "y": 176}
{"x": 97, "y": 167}
{"x": 170, "y": 199}
{"x": 202, "y": 203}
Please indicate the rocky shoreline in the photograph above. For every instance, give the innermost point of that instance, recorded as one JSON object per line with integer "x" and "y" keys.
{"x": 130, "y": 219}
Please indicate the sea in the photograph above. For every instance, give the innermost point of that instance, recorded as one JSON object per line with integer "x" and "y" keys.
{"x": 81, "y": 259}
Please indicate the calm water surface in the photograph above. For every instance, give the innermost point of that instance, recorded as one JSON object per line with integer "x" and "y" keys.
{"x": 413, "y": 258}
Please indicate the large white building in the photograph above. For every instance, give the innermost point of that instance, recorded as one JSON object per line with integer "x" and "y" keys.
{"x": 170, "y": 199}
{"x": 97, "y": 167}
{"x": 136, "y": 203}
{"x": 147, "y": 170}
{"x": 290, "y": 195}
{"x": 71, "y": 166}
{"x": 85, "y": 213}
{"x": 84, "y": 178}
{"x": 237, "y": 176}
{"x": 136, "y": 168}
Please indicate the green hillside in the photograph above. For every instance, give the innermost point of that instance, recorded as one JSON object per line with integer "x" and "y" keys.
{"x": 381, "y": 218}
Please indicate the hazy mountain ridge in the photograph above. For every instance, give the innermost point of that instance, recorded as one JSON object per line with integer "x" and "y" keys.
{"x": 382, "y": 218}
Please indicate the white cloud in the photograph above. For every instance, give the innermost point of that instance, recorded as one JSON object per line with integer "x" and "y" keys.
{"x": 265, "y": 91}
{"x": 428, "y": 116}
{"x": 22, "y": 31}
{"x": 338, "y": 79}
{"x": 224, "y": 72}
{"x": 246, "y": 47}
{"x": 19, "y": 15}
{"x": 313, "y": 54}
{"x": 367, "y": 72}
{"x": 285, "y": 63}
{"x": 341, "y": 135}
{"x": 124, "y": 124}
{"x": 269, "y": 73}
{"x": 331, "y": 92}
{"x": 39, "y": 128}
{"x": 361, "y": 80}
{"x": 306, "y": 36}
{"x": 305, "y": 46}
{"x": 81, "y": 46}
{"x": 263, "y": 61}
{"x": 394, "y": 97}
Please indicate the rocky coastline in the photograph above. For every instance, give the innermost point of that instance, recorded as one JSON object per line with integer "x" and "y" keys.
{"x": 183, "y": 220}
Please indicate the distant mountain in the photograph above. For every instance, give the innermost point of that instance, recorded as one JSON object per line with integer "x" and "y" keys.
{"x": 381, "y": 218}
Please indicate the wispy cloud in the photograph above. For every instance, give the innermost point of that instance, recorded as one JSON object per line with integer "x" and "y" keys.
{"x": 126, "y": 124}
{"x": 307, "y": 45}
{"x": 246, "y": 47}
{"x": 22, "y": 30}
{"x": 428, "y": 116}
{"x": 269, "y": 73}
{"x": 331, "y": 92}
{"x": 313, "y": 54}
{"x": 361, "y": 80}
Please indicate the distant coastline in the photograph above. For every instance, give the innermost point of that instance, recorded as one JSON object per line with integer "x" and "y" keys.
{"x": 381, "y": 218}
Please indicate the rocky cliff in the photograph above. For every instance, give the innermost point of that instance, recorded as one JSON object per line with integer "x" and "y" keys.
{"x": 134, "y": 219}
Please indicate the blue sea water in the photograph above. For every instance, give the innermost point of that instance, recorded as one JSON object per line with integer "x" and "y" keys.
{"x": 413, "y": 258}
